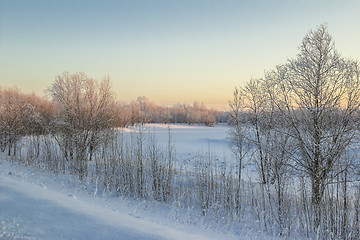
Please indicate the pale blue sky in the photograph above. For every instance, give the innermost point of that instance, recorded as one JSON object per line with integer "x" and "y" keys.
{"x": 170, "y": 51}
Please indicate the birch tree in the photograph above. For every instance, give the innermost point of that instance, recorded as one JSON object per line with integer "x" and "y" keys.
{"x": 318, "y": 93}
{"x": 84, "y": 114}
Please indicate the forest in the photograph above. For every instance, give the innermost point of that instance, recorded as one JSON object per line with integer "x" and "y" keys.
{"x": 298, "y": 125}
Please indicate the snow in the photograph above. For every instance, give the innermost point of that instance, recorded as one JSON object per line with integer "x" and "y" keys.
{"x": 194, "y": 142}
{"x": 37, "y": 204}
{"x": 70, "y": 217}
{"x": 190, "y": 138}
{"x": 190, "y": 141}
{"x": 34, "y": 211}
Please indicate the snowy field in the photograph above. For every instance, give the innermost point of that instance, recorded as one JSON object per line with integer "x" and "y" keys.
{"x": 189, "y": 141}
{"x": 196, "y": 142}
{"x": 37, "y": 204}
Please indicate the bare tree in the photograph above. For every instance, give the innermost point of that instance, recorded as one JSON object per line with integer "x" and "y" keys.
{"x": 318, "y": 93}
{"x": 12, "y": 107}
{"x": 239, "y": 144}
{"x": 255, "y": 99}
{"x": 237, "y": 130}
{"x": 84, "y": 114}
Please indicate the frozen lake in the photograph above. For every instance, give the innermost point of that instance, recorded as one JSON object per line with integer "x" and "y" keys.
{"x": 190, "y": 140}
{"x": 193, "y": 143}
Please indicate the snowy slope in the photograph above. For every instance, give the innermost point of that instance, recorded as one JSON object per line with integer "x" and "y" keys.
{"x": 39, "y": 204}
{"x": 32, "y": 211}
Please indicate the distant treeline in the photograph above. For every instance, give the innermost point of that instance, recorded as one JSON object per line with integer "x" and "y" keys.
{"x": 23, "y": 114}
{"x": 79, "y": 102}
{"x": 144, "y": 110}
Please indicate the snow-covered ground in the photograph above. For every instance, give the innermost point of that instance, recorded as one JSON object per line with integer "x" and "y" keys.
{"x": 190, "y": 139}
{"x": 192, "y": 142}
{"x": 37, "y": 205}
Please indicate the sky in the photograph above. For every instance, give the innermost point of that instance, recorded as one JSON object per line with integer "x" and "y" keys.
{"x": 169, "y": 51}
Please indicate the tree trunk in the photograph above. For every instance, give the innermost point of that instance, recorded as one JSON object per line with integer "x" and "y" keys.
{"x": 316, "y": 201}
